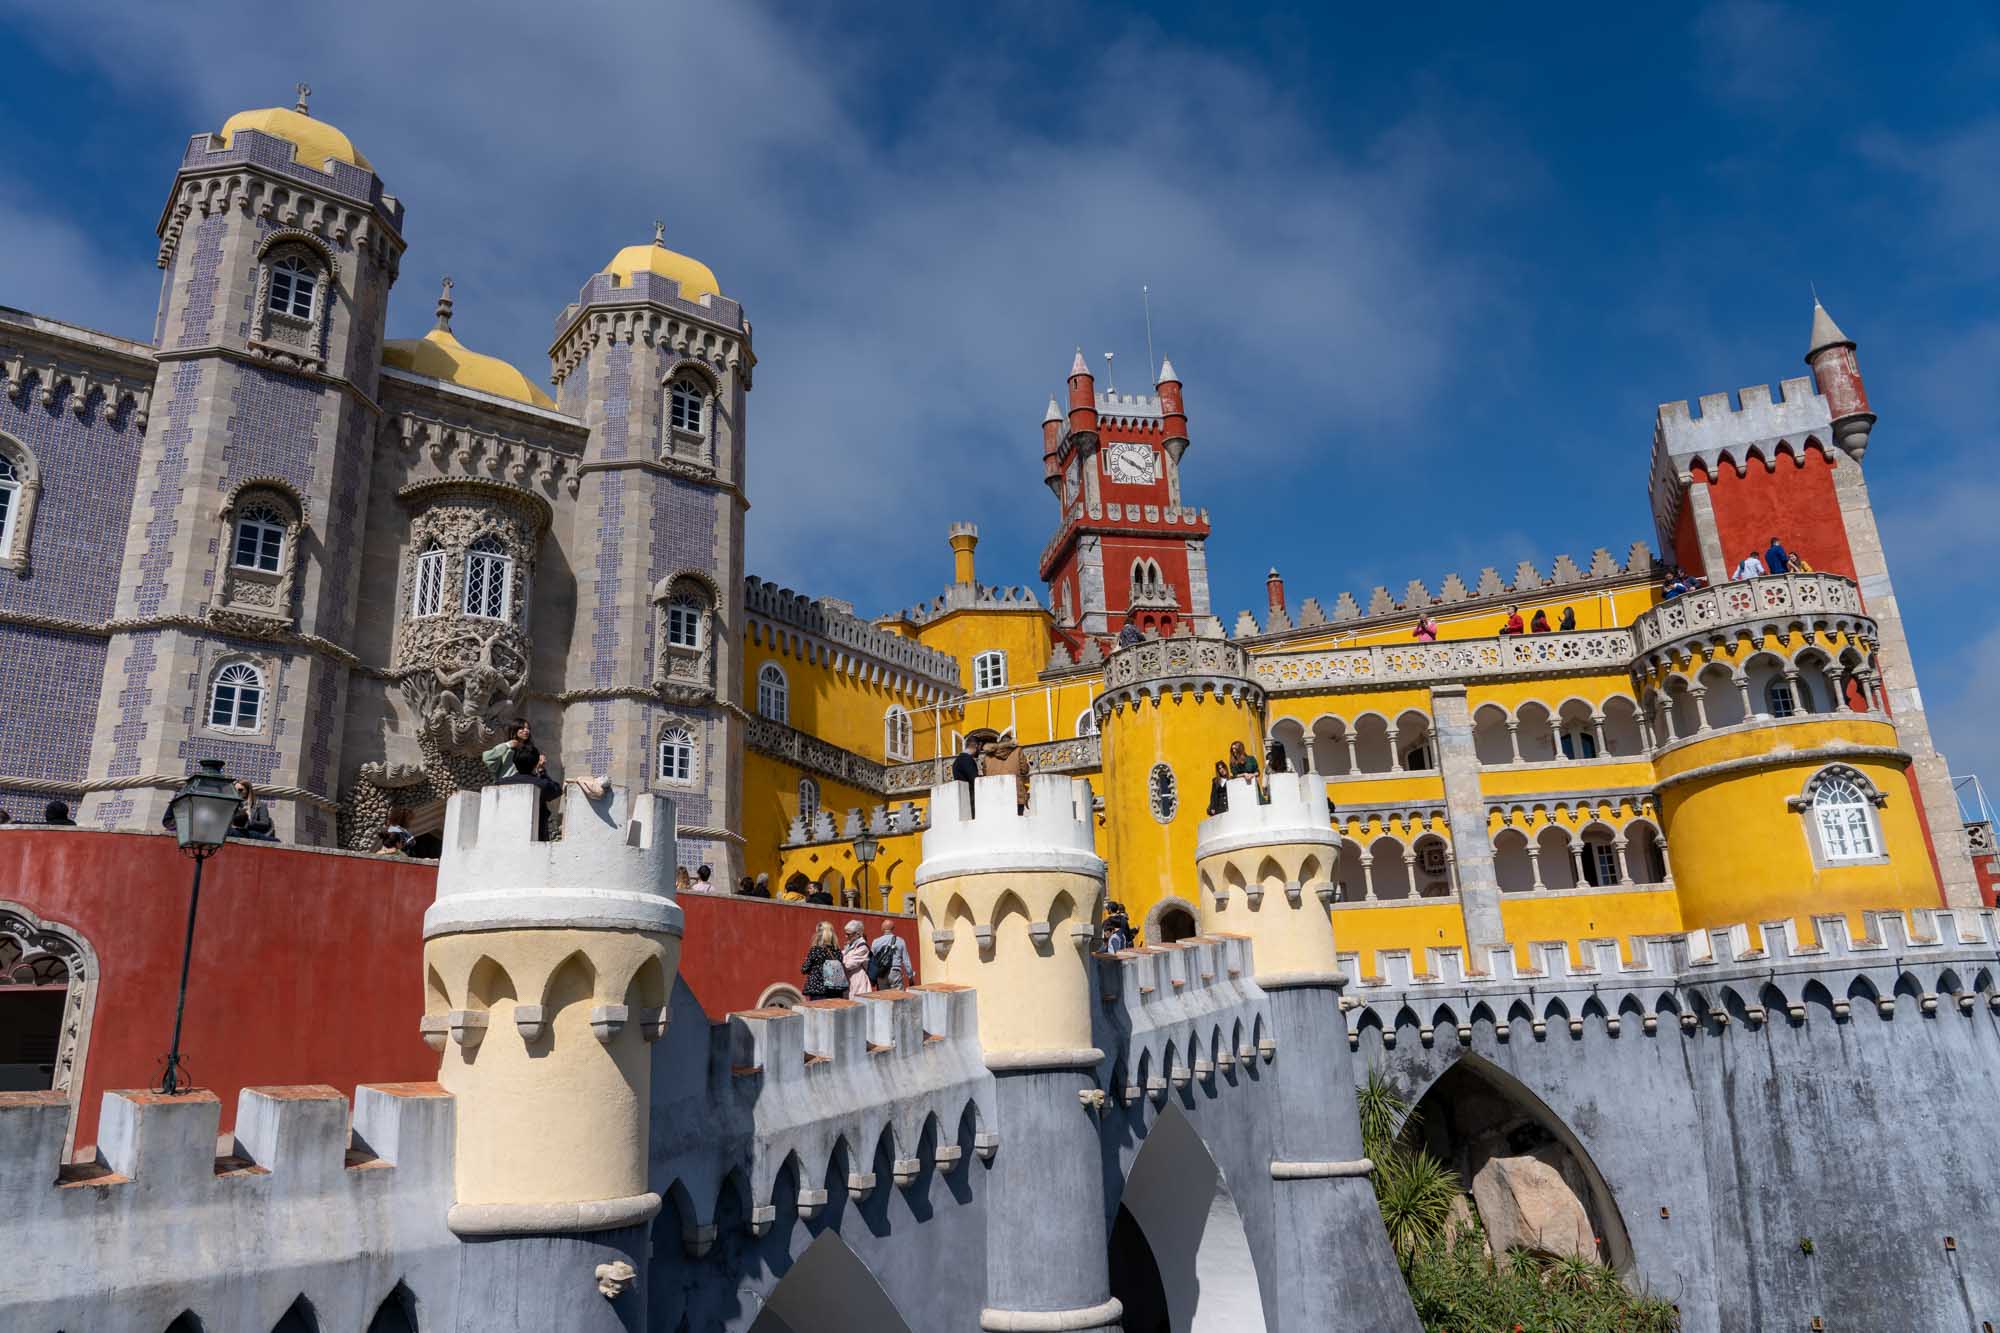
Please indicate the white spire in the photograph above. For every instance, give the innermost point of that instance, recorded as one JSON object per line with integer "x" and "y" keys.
{"x": 1167, "y": 371}
{"x": 1825, "y": 333}
{"x": 1077, "y": 367}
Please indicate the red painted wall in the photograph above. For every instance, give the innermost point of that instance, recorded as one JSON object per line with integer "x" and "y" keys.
{"x": 1687, "y": 543}
{"x": 1790, "y": 496}
{"x": 308, "y": 965}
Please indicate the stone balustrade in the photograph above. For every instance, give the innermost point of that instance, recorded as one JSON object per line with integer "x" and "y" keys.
{"x": 1780, "y": 599}
{"x": 1587, "y": 652}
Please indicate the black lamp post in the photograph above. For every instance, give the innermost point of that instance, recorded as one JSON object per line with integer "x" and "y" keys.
{"x": 865, "y": 848}
{"x": 202, "y": 809}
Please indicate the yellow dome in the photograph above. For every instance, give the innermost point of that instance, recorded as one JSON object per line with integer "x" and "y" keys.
{"x": 313, "y": 141}
{"x": 442, "y": 357}
{"x": 696, "y": 278}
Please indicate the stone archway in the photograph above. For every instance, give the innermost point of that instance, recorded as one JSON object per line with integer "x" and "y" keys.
{"x": 1180, "y": 1260}
{"x": 828, "y": 1290}
{"x": 48, "y": 979}
{"x": 1172, "y": 919}
{"x": 1482, "y": 1121}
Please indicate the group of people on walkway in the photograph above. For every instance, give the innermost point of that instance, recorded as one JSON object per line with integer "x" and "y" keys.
{"x": 837, "y": 969}
{"x": 981, "y": 758}
{"x": 1775, "y": 559}
{"x": 1242, "y": 764}
{"x": 1540, "y": 624}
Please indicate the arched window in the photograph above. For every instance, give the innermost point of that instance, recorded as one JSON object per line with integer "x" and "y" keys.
{"x": 684, "y": 621}
{"x": 293, "y": 282}
{"x": 10, "y": 502}
{"x": 808, "y": 801}
{"x": 1086, "y": 722}
{"x": 896, "y": 733}
{"x": 427, "y": 592}
{"x": 677, "y": 754}
{"x": 773, "y": 695}
{"x": 1845, "y": 819}
{"x": 260, "y": 539}
{"x": 489, "y": 580}
{"x": 1779, "y": 700}
{"x": 989, "y": 670}
{"x": 236, "y": 699}
{"x": 685, "y": 400}
{"x": 1163, "y": 793}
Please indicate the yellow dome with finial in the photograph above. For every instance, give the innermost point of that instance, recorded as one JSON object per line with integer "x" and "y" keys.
{"x": 442, "y": 356}
{"x": 696, "y": 278}
{"x": 313, "y": 141}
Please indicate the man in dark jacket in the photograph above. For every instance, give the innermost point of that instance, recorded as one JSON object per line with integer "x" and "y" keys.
{"x": 965, "y": 768}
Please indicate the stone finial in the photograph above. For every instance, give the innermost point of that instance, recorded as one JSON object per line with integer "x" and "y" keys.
{"x": 304, "y": 91}
{"x": 444, "y": 305}
{"x": 1380, "y": 602}
{"x": 1603, "y": 564}
{"x": 1489, "y": 583}
{"x": 660, "y": 233}
{"x": 1346, "y": 608}
{"x": 1454, "y": 589}
{"x": 1825, "y": 333}
{"x": 1639, "y": 560}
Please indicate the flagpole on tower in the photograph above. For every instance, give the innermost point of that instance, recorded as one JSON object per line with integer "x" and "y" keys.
{"x": 1146, "y": 296}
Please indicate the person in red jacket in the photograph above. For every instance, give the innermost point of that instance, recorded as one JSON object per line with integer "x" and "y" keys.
{"x": 1541, "y": 622}
{"x": 1513, "y": 625}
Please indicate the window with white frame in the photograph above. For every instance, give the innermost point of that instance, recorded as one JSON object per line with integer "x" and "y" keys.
{"x": 685, "y": 400}
{"x": 1086, "y": 722}
{"x": 293, "y": 281}
{"x": 773, "y": 695}
{"x": 1604, "y": 859}
{"x": 260, "y": 539}
{"x": 684, "y": 621}
{"x": 427, "y": 592}
{"x": 489, "y": 579}
{"x": 896, "y": 733}
{"x": 808, "y": 801}
{"x": 1779, "y": 699}
{"x": 236, "y": 698}
{"x": 677, "y": 754}
{"x": 989, "y": 670}
{"x": 1845, "y": 818}
{"x": 10, "y": 502}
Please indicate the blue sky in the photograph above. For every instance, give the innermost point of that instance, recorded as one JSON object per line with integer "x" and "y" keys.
{"x": 1426, "y": 274}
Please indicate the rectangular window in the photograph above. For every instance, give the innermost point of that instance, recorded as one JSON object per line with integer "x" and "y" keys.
{"x": 428, "y": 596}
{"x": 989, "y": 671}
{"x": 486, "y": 578}
{"x": 1783, "y": 702}
{"x": 1607, "y": 862}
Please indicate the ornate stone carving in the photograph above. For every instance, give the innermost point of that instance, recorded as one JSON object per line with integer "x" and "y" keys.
{"x": 36, "y": 952}
{"x": 615, "y": 1279}
{"x": 469, "y": 682}
{"x": 1422, "y": 663}
{"x": 1815, "y": 601}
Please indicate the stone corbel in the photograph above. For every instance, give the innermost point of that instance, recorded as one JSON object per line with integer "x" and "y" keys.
{"x": 860, "y": 1184}
{"x": 941, "y": 940}
{"x": 531, "y": 1020}
{"x": 696, "y": 1241}
{"x": 905, "y": 1170}
{"x": 950, "y": 1157}
{"x": 810, "y": 1202}
{"x": 468, "y": 1026}
{"x": 608, "y": 1020}
{"x": 761, "y": 1219}
{"x": 653, "y": 1022}
{"x": 1039, "y": 932}
{"x": 984, "y": 934}
{"x": 434, "y": 1028}
{"x": 1292, "y": 894}
{"x": 1253, "y": 894}
{"x": 1267, "y": 1048}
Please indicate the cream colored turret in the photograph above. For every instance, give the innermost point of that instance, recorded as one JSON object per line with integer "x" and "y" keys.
{"x": 547, "y": 967}
{"x": 1266, "y": 872}
{"x": 1007, "y": 902}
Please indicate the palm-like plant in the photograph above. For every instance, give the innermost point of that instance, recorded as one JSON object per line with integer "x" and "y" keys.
{"x": 1416, "y": 1193}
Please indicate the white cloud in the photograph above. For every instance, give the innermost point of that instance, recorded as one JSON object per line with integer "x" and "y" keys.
{"x": 920, "y": 246}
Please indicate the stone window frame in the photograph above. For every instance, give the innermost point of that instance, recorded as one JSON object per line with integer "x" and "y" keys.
{"x": 697, "y": 445}
{"x": 266, "y": 678}
{"x": 989, "y": 670}
{"x": 772, "y": 676}
{"x": 435, "y": 562}
{"x": 243, "y": 590}
{"x": 898, "y": 733}
{"x": 1086, "y": 722}
{"x": 1163, "y": 799}
{"x": 687, "y": 670}
{"x": 809, "y": 803}
{"x": 684, "y": 732}
{"x": 493, "y": 554}
{"x": 17, "y": 531}
{"x": 271, "y": 333}
{"x": 1806, "y": 806}
{"x": 53, "y": 938}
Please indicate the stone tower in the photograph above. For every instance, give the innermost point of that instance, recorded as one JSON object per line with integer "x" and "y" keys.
{"x": 1165, "y": 698}
{"x": 657, "y": 363}
{"x": 1007, "y": 902}
{"x": 279, "y": 246}
{"x": 1266, "y": 872}
{"x": 547, "y": 971}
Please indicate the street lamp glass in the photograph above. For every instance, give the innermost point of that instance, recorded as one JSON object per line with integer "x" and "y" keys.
{"x": 865, "y": 849}
{"x": 203, "y": 808}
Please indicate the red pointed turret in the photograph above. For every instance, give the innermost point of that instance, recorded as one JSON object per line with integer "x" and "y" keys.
{"x": 1831, "y": 356}
{"x": 1082, "y": 401}
{"x": 1052, "y": 433}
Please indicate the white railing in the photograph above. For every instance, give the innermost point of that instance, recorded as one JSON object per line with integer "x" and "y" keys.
{"x": 1774, "y": 597}
{"x": 1456, "y": 659}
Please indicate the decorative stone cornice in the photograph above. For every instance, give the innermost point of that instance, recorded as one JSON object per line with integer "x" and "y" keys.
{"x": 59, "y": 364}
{"x": 1176, "y": 666}
{"x": 346, "y": 206}
{"x": 476, "y": 454}
{"x": 1330, "y": 670}
{"x": 1753, "y": 763}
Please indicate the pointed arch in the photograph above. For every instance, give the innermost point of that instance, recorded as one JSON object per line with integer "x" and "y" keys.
{"x": 299, "y": 1318}
{"x": 187, "y": 1321}
{"x": 574, "y": 981}
{"x": 829, "y": 1290}
{"x": 397, "y": 1313}
{"x": 489, "y": 984}
{"x": 1179, "y": 1253}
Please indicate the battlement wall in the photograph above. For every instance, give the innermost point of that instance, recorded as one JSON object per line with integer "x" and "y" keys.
{"x": 304, "y": 1202}
{"x": 1172, "y": 1014}
{"x": 1920, "y": 964}
{"x": 1297, "y": 812}
{"x": 979, "y": 830}
{"x": 1724, "y": 426}
{"x": 785, "y": 607}
{"x": 612, "y": 868}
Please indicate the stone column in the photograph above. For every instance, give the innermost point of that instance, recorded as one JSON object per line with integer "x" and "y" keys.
{"x": 1597, "y": 733}
{"x": 1353, "y": 762}
{"x": 1743, "y": 688}
{"x": 1700, "y": 696}
{"x": 1335, "y": 1270}
{"x": 1535, "y": 864}
{"x": 1514, "y": 739}
{"x": 1899, "y": 679}
{"x": 1622, "y": 847}
{"x": 1465, "y": 804}
{"x": 1046, "y": 1265}
{"x": 1368, "y": 876}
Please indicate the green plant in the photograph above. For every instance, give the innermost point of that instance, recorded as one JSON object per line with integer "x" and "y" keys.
{"x": 1415, "y": 1192}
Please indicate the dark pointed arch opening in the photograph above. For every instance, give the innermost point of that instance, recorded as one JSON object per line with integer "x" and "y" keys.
{"x": 828, "y": 1290}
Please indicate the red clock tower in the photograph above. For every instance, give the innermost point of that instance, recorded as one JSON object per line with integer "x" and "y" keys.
{"x": 1126, "y": 550}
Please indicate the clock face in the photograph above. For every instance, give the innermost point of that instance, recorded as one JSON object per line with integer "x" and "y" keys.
{"x": 1131, "y": 464}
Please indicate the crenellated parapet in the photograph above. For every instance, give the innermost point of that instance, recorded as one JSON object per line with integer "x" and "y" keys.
{"x": 1180, "y": 1014}
{"x": 1007, "y": 903}
{"x": 1176, "y": 667}
{"x": 1266, "y": 866}
{"x": 303, "y": 1203}
{"x": 1928, "y": 963}
{"x": 874, "y": 1093}
{"x": 547, "y": 970}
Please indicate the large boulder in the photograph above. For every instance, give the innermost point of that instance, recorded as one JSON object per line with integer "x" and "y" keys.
{"x": 1525, "y": 1203}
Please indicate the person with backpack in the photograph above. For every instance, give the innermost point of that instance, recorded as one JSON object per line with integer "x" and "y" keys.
{"x": 889, "y": 965}
{"x": 825, "y": 974}
{"x": 854, "y": 957}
